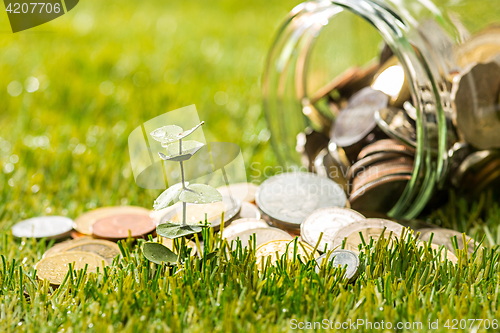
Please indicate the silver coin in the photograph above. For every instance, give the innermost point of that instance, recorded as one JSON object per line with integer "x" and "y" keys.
{"x": 394, "y": 122}
{"x": 50, "y": 227}
{"x": 341, "y": 258}
{"x": 328, "y": 221}
{"x": 261, "y": 235}
{"x": 357, "y": 120}
{"x": 325, "y": 165}
{"x": 249, "y": 211}
{"x": 475, "y": 99}
{"x": 290, "y": 197}
{"x": 241, "y": 225}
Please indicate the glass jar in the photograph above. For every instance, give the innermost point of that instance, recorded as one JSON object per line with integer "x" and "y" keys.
{"x": 435, "y": 43}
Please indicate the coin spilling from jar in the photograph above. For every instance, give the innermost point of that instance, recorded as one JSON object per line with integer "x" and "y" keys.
{"x": 383, "y": 136}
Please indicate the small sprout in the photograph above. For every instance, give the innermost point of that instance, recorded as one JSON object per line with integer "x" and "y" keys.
{"x": 178, "y": 150}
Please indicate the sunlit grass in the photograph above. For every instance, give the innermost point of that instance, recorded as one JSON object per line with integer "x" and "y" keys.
{"x": 63, "y": 150}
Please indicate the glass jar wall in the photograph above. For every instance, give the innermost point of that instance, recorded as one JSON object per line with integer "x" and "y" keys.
{"x": 395, "y": 100}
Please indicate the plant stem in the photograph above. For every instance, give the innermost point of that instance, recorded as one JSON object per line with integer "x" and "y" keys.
{"x": 182, "y": 166}
{"x": 183, "y": 185}
{"x": 183, "y": 213}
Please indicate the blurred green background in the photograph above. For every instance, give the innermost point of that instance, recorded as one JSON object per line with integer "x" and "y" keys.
{"x": 74, "y": 88}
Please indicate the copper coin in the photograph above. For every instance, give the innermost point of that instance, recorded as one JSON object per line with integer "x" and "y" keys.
{"x": 83, "y": 224}
{"x": 380, "y": 195}
{"x": 386, "y": 145}
{"x": 118, "y": 226}
{"x": 379, "y": 171}
{"x": 370, "y": 160}
{"x": 75, "y": 234}
{"x": 327, "y": 221}
{"x": 338, "y": 82}
{"x": 357, "y": 120}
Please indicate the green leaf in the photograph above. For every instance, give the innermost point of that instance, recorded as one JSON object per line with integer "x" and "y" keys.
{"x": 174, "y": 230}
{"x": 167, "y": 134}
{"x": 168, "y": 197}
{"x": 158, "y": 253}
{"x": 200, "y": 194}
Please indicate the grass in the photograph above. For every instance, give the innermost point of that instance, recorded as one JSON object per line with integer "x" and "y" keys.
{"x": 108, "y": 66}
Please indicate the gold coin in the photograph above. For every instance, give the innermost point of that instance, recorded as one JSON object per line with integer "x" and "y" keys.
{"x": 59, "y": 247}
{"x": 106, "y": 249}
{"x": 196, "y": 213}
{"x": 369, "y": 228}
{"x": 281, "y": 247}
{"x": 449, "y": 255}
{"x": 245, "y": 192}
{"x": 480, "y": 48}
{"x": 55, "y": 268}
{"x": 241, "y": 225}
{"x": 443, "y": 236}
{"x": 391, "y": 80}
{"x": 83, "y": 224}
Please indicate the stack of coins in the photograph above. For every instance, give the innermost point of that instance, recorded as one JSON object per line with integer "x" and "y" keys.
{"x": 373, "y": 138}
{"x": 94, "y": 253}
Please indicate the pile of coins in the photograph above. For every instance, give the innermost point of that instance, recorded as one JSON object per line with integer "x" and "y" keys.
{"x": 285, "y": 206}
{"x": 84, "y": 251}
{"x": 94, "y": 234}
{"x": 372, "y": 141}
{"x": 311, "y": 206}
